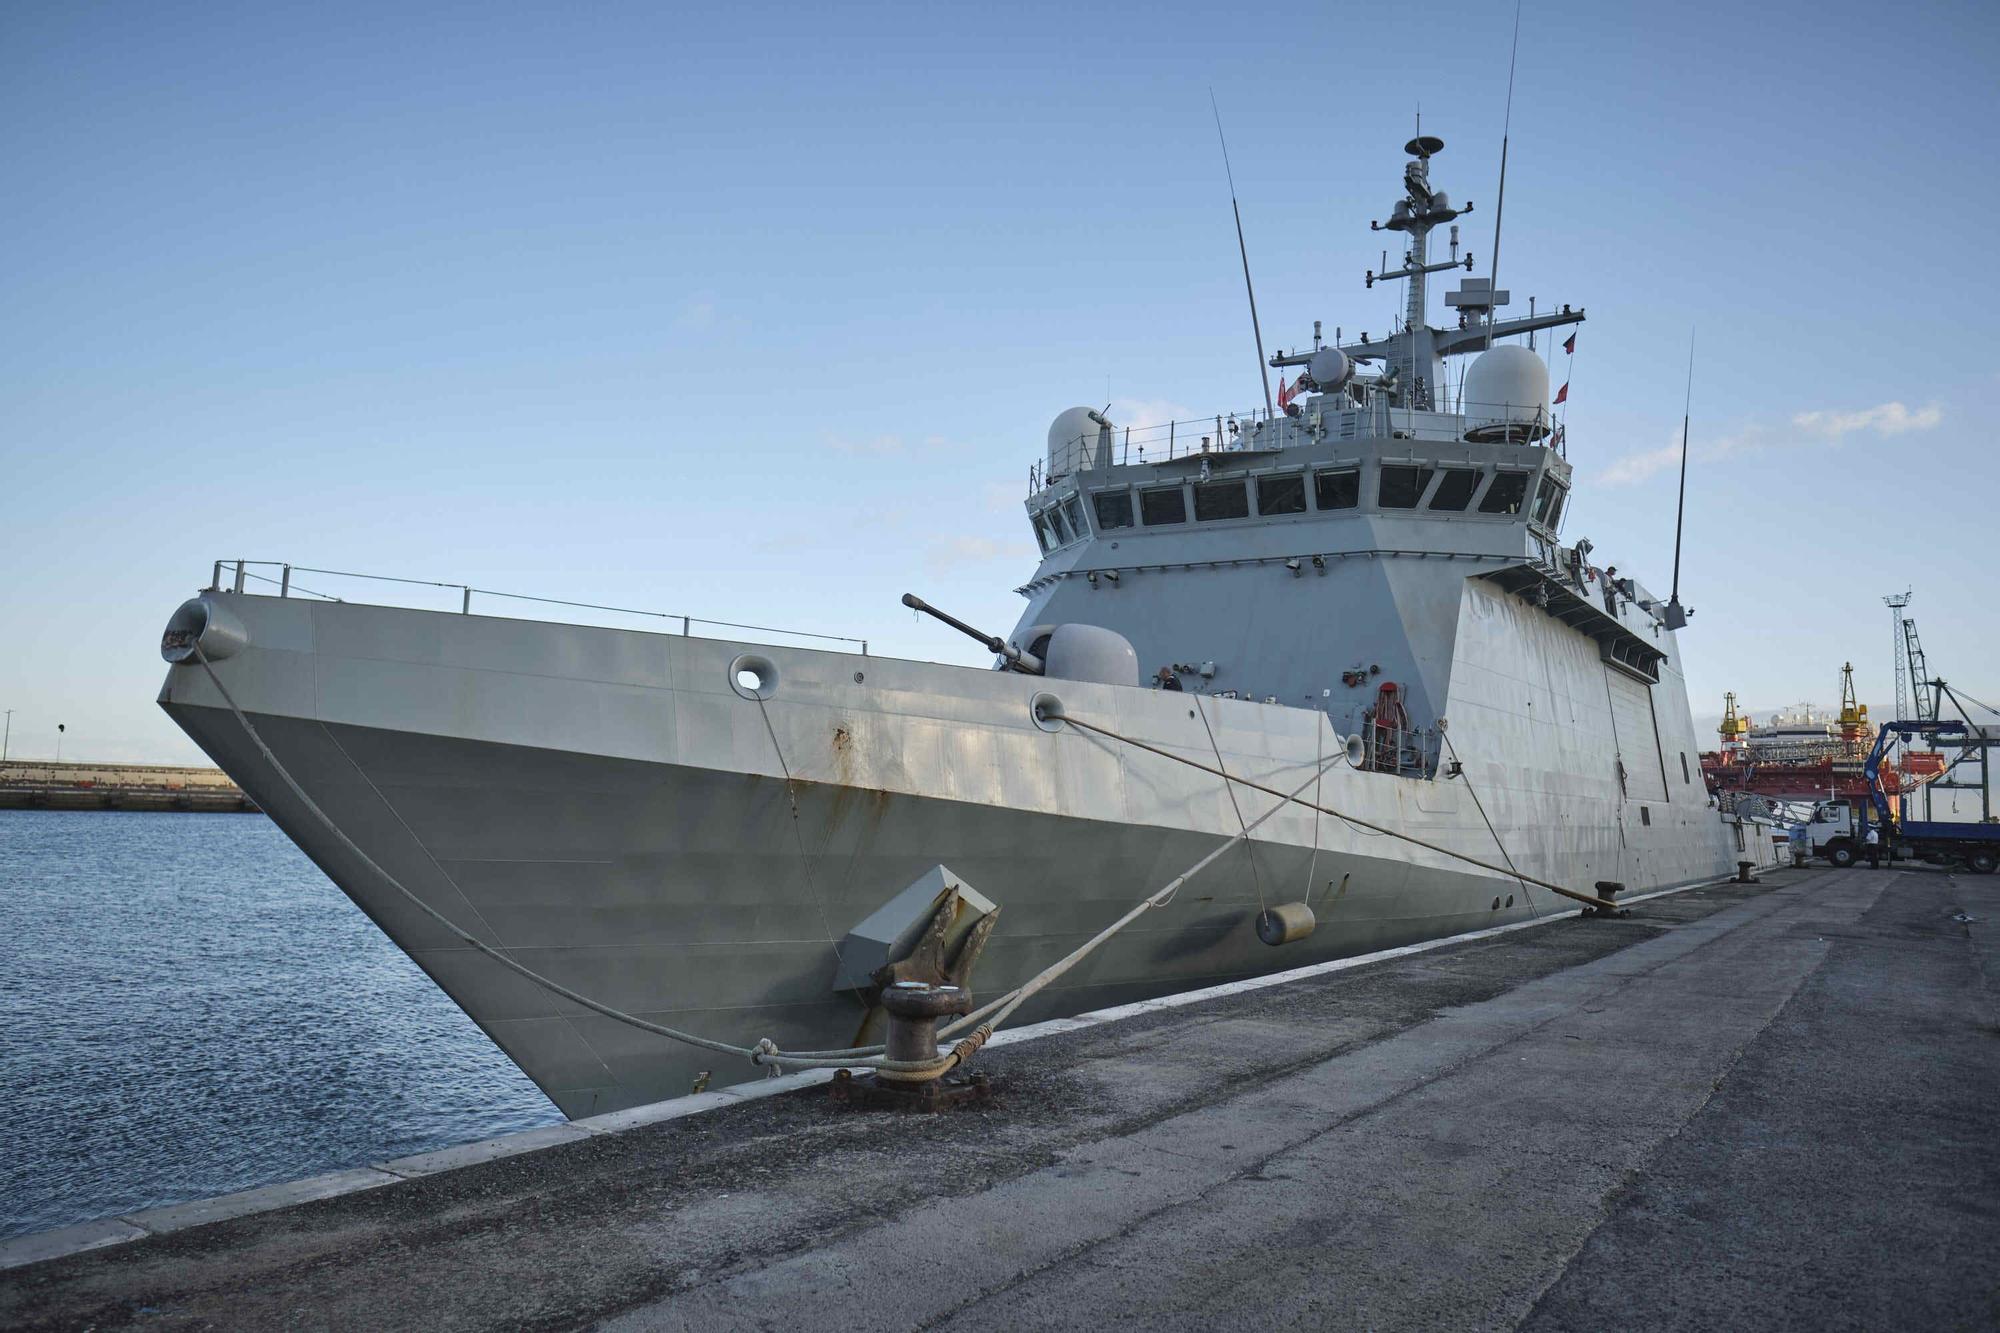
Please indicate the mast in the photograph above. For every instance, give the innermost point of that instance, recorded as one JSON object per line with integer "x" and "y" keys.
{"x": 1419, "y": 210}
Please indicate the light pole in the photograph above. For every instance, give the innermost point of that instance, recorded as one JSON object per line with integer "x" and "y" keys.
{"x": 6, "y": 736}
{"x": 59, "y": 735}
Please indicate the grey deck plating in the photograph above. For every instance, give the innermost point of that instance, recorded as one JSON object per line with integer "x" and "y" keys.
{"x": 1741, "y": 1106}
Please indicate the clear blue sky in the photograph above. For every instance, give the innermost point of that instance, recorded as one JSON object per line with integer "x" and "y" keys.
{"x": 762, "y": 313}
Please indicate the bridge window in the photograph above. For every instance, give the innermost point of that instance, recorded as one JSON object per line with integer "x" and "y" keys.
{"x": 1549, "y": 503}
{"x": 1403, "y": 485}
{"x": 1281, "y": 495}
{"x": 1114, "y": 509}
{"x": 1337, "y": 490}
{"x": 1685, "y": 778}
{"x": 1059, "y": 525}
{"x": 1073, "y": 510}
{"x": 1506, "y": 495}
{"x": 1166, "y": 505}
{"x": 1455, "y": 491}
{"x": 1221, "y": 499}
{"x": 1042, "y": 538}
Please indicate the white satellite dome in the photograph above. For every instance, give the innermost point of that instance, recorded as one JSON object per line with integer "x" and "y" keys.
{"x": 1330, "y": 368}
{"x": 1506, "y": 395}
{"x": 1073, "y": 439}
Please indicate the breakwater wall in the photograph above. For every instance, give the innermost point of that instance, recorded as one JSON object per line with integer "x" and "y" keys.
{"x": 39, "y": 785}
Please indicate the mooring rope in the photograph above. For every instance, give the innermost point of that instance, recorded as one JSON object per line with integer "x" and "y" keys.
{"x": 765, "y": 1051}
{"x": 1480, "y": 806}
{"x": 1229, "y": 788}
{"x": 1352, "y": 819}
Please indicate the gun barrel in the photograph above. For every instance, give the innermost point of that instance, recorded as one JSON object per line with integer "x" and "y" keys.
{"x": 1026, "y": 663}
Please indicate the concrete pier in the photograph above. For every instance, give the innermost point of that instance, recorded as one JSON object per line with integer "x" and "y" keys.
{"x": 42, "y": 785}
{"x": 1740, "y": 1106}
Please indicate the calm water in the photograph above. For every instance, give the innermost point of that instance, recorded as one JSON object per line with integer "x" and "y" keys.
{"x": 188, "y": 1007}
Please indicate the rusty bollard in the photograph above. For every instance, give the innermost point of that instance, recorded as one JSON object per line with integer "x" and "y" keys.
{"x": 913, "y": 1008}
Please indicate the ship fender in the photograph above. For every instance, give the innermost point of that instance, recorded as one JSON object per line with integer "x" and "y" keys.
{"x": 206, "y": 621}
{"x": 1287, "y": 923}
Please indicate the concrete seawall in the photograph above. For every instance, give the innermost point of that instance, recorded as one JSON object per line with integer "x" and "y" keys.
{"x": 34, "y": 785}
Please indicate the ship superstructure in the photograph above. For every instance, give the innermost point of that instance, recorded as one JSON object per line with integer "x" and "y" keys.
{"x": 1366, "y": 598}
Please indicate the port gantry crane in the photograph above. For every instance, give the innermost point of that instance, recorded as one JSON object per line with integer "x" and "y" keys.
{"x": 1919, "y": 716}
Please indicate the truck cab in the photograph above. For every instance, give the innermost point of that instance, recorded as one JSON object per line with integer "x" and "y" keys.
{"x": 1836, "y": 834}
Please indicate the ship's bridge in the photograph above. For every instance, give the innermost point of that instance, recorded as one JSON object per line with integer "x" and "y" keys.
{"x": 1307, "y": 558}
{"x": 1188, "y": 478}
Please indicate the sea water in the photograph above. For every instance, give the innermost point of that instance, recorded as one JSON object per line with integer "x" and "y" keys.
{"x": 189, "y": 1007}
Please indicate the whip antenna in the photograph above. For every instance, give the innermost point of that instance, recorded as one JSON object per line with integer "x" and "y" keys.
{"x": 1500, "y": 206}
{"x": 1263, "y": 375}
{"x": 1676, "y": 614}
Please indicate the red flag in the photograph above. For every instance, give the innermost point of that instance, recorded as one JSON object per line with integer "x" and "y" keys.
{"x": 1562, "y": 394}
{"x": 1569, "y": 344}
{"x": 1286, "y": 392}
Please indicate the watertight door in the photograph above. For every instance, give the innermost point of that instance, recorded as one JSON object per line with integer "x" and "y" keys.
{"x": 1638, "y": 739}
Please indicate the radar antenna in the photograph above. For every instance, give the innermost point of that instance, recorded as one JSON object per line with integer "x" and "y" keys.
{"x": 1676, "y": 615}
{"x": 1500, "y": 204}
{"x": 1263, "y": 375}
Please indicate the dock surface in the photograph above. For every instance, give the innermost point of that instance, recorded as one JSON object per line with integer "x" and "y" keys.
{"x": 1741, "y": 1106}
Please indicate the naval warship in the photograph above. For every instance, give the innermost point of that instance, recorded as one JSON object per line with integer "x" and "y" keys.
{"x": 1363, "y": 598}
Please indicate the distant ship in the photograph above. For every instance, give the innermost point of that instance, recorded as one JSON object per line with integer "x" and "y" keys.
{"x": 1804, "y": 754}
{"x": 1363, "y": 597}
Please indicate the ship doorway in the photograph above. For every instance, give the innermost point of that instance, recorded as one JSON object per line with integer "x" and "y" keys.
{"x": 1638, "y": 740}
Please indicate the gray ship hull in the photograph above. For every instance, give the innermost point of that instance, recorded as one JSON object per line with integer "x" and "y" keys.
{"x": 613, "y": 812}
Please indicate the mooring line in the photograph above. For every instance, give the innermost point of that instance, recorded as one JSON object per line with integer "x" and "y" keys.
{"x": 1352, "y": 819}
{"x": 765, "y": 1052}
{"x": 1229, "y": 787}
{"x": 1480, "y": 806}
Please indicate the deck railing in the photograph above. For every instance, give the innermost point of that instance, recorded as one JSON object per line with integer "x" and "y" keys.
{"x": 237, "y": 574}
{"x": 1254, "y": 430}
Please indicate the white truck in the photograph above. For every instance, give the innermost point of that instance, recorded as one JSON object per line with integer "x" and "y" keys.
{"x": 1838, "y": 833}
{"x": 1832, "y": 835}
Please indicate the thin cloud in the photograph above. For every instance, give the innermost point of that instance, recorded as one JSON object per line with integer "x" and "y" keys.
{"x": 702, "y": 315}
{"x": 968, "y": 550}
{"x": 1139, "y": 413}
{"x": 888, "y": 445}
{"x": 1888, "y": 419}
{"x": 1003, "y": 497}
{"x": 875, "y": 446}
{"x": 1635, "y": 468}
{"x": 1826, "y": 426}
